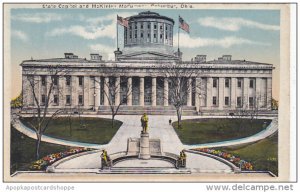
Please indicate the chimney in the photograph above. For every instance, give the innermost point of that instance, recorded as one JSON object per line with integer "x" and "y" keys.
{"x": 96, "y": 57}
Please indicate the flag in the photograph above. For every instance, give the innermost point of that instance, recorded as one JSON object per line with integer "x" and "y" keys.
{"x": 122, "y": 21}
{"x": 183, "y": 25}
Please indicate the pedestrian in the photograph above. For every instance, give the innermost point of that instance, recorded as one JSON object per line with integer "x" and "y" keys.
{"x": 170, "y": 121}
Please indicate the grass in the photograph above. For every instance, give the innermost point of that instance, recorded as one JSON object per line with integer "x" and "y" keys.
{"x": 89, "y": 130}
{"x": 23, "y": 150}
{"x": 263, "y": 154}
{"x": 197, "y": 131}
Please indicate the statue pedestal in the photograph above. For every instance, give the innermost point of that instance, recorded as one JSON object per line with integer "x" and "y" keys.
{"x": 144, "y": 146}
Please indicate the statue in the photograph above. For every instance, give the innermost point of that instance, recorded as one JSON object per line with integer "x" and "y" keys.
{"x": 144, "y": 122}
{"x": 105, "y": 160}
{"x": 182, "y": 159}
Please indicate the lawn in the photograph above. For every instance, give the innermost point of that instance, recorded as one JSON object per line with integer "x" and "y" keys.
{"x": 197, "y": 131}
{"x": 89, "y": 130}
{"x": 23, "y": 150}
{"x": 263, "y": 154}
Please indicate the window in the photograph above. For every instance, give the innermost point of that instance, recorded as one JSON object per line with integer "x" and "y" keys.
{"x": 80, "y": 80}
{"x": 155, "y": 26}
{"x": 149, "y": 25}
{"x": 130, "y": 35}
{"x": 251, "y": 102}
{"x": 215, "y": 82}
{"x": 161, "y": 27}
{"x": 54, "y": 80}
{"x": 166, "y": 27}
{"x": 142, "y": 35}
{"x": 251, "y": 84}
{"x": 239, "y": 84}
{"x": 43, "y": 80}
{"x": 80, "y": 99}
{"x": 135, "y": 25}
{"x": 226, "y": 100}
{"x": 239, "y": 102}
{"x": 130, "y": 27}
{"x": 68, "y": 99}
{"x": 154, "y": 35}
{"x": 148, "y": 35}
{"x": 68, "y": 80}
{"x": 227, "y": 82}
{"x": 161, "y": 36}
{"x": 166, "y": 36}
{"x": 214, "y": 100}
{"x": 142, "y": 26}
{"x": 55, "y": 99}
{"x": 43, "y": 99}
{"x": 135, "y": 34}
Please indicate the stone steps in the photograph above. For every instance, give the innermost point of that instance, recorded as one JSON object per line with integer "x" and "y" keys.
{"x": 151, "y": 110}
{"x": 144, "y": 170}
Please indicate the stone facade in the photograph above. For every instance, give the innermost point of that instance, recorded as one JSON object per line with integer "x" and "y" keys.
{"x": 223, "y": 84}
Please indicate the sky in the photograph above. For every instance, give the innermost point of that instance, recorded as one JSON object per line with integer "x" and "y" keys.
{"x": 253, "y": 35}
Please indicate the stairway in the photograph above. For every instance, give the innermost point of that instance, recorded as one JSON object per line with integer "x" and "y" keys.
{"x": 150, "y": 110}
{"x": 144, "y": 170}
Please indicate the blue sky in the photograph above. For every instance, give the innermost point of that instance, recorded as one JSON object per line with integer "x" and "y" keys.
{"x": 48, "y": 33}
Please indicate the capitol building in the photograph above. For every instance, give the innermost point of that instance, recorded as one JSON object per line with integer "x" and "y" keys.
{"x": 139, "y": 74}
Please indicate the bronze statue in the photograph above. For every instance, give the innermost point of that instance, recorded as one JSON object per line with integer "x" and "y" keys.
{"x": 144, "y": 122}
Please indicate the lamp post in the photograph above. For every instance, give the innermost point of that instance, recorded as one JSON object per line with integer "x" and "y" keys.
{"x": 95, "y": 101}
{"x": 200, "y": 96}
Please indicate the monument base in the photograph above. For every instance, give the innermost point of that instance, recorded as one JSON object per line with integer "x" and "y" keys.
{"x": 144, "y": 146}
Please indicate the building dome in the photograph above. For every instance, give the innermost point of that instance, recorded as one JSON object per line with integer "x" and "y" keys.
{"x": 149, "y": 31}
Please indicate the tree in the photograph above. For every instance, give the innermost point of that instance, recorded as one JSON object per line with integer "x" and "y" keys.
{"x": 112, "y": 92}
{"x": 41, "y": 117}
{"x": 17, "y": 102}
{"x": 275, "y": 104}
{"x": 179, "y": 78}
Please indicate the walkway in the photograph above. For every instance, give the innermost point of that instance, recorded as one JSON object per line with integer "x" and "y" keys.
{"x": 158, "y": 128}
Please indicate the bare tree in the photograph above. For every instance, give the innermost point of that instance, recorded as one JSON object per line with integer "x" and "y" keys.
{"x": 179, "y": 78}
{"x": 112, "y": 92}
{"x": 41, "y": 117}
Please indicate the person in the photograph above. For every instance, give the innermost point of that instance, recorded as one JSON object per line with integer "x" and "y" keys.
{"x": 144, "y": 122}
{"x": 170, "y": 121}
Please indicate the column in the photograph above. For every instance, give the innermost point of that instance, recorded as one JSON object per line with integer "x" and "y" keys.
{"x": 245, "y": 93}
{"x": 209, "y": 92}
{"x": 117, "y": 91}
{"x": 129, "y": 93}
{"x": 74, "y": 83}
{"x": 142, "y": 91}
{"x": 198, "y": 94}
{"x": 106, "y": 91}
{"x": 166, "y": 91}
{"x": 97, "y": 95}
{"x": 233, "y": 93}
{"x": 257, "y": 92}
{"x": 269, "y": 93}
{"x": 221, "y": 93}
{"x": 153, "y": 96}
{"x": 61, "y": 90}
{"x": 86, "y": 91}
{"x": 189, "y": 92}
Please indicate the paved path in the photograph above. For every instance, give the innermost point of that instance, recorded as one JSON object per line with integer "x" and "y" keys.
{"x": 159, "y": 128}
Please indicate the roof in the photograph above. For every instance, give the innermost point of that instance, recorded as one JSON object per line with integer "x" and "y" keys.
{"x": 148, "y": 15}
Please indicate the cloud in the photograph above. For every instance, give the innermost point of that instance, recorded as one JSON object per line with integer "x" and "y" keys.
{"x": 225, "y": 42}
{"x": 19, "y": 35}
{"x": 95, "y": 27}
{"x": 106, "y": 51}
{"x": 234, "y": 24}
{"x": 38, "y": 17}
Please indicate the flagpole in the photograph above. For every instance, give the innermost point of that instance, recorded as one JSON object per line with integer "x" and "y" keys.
{"x": 117, "y": 34}
{"x": 178, "y": 33}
